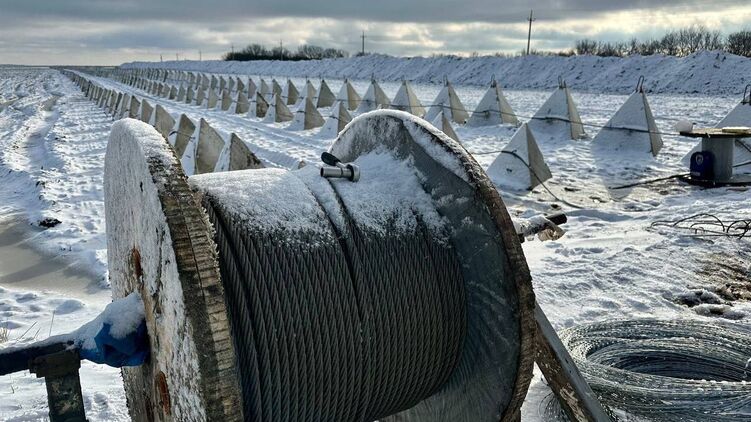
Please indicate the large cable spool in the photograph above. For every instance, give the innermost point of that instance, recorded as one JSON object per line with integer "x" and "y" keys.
{"x": 404, "y": 296}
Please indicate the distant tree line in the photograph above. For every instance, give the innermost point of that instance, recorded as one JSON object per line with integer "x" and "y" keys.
{"x": 680, "y": 43}
{"x": 303, "y": 52}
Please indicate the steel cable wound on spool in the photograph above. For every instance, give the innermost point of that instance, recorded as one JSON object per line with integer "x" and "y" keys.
{"x": 350, "y": 297}
{"x": 668, "y": 370}
{"x": 404, "y": 296}
{"x": 366, "y": 324}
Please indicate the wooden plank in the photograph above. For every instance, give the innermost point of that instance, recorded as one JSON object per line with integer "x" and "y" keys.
{"x": 578, "y": 400}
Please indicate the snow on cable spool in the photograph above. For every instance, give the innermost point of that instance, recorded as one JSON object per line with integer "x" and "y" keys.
{"x": 349, "y": 96}
{"x": 740, "y": 116}
{"x": 326, "y": 97}
{"x": 520, "y": 165}
{"x": 632, "y": 129}
{"x": 159, "y": 245}
{"x": 306, "y": 116}
{"x": 278, "y": 111}
{"x": 336, "y": 121}
{"x": 374, "y": 98}
{"x": 290, "y": 93}
{"x": 558, "y": 119}
{"x": 493, "y": 109}
{"x": 406, "y": 100}
{"x": 448, "y": 102}
{"x": 444, "y": 125}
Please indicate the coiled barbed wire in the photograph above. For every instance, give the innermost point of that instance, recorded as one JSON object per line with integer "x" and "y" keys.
{"x": 667, "y": 370}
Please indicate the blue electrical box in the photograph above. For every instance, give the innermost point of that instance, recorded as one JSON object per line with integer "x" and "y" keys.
{"x": 702, "y": 165}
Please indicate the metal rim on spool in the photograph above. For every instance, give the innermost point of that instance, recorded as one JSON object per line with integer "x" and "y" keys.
{"x": 357, "y": 139}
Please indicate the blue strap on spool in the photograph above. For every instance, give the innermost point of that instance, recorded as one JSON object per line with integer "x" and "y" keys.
{"x": 131, "y": 350}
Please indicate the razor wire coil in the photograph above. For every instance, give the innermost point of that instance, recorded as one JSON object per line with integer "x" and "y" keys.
{"x": 667, "y": 370}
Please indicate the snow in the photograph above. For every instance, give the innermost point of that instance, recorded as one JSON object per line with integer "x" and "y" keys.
{"x": 388, "y": 195}
{"x": 33, "y": 316}
{"x": 270, "y": 198}
{"x": 610, "y": 263}
{"x": 705, "y": 72}
{"x": 123, "y": 316}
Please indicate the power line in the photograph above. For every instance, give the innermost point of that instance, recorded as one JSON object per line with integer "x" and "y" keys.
{"x": 529, "y": 34}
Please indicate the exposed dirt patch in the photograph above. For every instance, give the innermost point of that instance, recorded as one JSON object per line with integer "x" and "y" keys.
{"x": 726, "y": 279}
{"x": 728, "y": 275}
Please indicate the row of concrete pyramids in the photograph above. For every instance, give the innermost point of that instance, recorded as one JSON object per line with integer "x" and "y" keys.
{"x": 200, "y": 147}
{"x": 631, "y": 129}
{"x": 558, "y": 118}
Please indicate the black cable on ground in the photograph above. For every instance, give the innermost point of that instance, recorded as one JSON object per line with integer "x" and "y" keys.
{"x": 649, "y": 182}
{"x": 541, "y": 182}
{"x": 706, "y": 225}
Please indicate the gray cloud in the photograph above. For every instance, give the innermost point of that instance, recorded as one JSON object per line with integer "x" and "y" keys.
{"x": 490, "y": 11}
{"x": 97, "y": 31}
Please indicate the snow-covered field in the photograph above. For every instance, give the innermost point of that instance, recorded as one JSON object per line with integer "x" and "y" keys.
{"x": 705, "y": 72}
{"x": 609, "y": 264}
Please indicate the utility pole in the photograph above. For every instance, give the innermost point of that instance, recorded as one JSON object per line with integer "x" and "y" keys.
{"x": 233, "y": 49}
{"x": 529, "y": 34}
{"x": 160, "y": 58}
{"x": 199, "y": 56}
{"x": 281, "y": 50}
{"x": 363, "y": 42}
{"x": 177, "y": 57}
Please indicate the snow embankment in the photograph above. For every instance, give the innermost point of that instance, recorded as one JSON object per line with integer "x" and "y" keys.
{"x": 706, "y": 72}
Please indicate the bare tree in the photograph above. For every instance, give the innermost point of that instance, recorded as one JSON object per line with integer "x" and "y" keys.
{"x": 586, "y": 47}
{"x": 739, "y": 43}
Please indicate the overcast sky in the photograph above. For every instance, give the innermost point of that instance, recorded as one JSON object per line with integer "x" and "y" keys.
{"x": 112, "y": 32}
